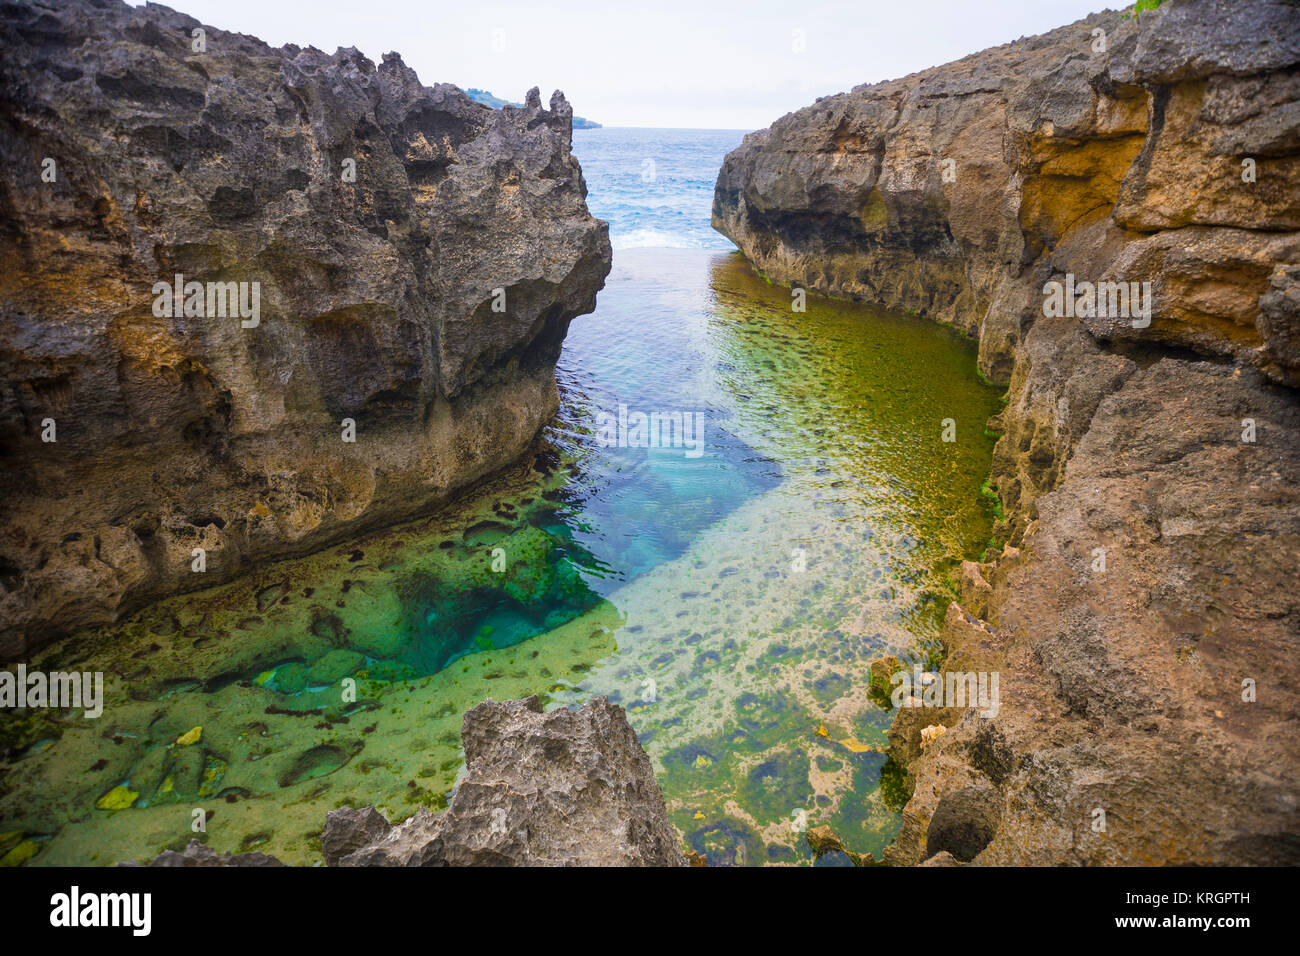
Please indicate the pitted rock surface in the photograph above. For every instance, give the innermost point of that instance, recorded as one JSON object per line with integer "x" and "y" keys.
{"x": 556, "y": 788}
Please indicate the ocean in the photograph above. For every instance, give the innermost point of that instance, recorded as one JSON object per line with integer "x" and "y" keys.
{"x": 655, "y": 186}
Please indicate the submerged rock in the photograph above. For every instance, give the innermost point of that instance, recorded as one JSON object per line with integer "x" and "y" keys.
{"x": 557, "y": 788}
{"x": 1143, "y": 616}
{"x": 823, "y": 841}
{"x": 198, "y": 854}
{"x": 374, "y": 259}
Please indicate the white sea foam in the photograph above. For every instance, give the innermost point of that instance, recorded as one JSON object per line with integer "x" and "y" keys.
{"x": 654, "y": 238}
{"x": 654, "y": 187}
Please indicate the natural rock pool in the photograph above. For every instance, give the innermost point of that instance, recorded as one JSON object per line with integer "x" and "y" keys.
{"x": 731, "y": 602}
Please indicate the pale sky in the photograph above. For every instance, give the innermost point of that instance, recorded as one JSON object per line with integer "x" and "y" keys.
{"x": 676, "y": 63}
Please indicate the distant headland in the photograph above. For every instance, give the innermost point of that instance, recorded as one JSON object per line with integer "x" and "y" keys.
{"x": 496, "y": 102}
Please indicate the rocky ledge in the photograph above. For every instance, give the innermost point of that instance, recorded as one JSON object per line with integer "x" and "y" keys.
{"x": 1143, "y": 613}
{"x": 375, "y": 260}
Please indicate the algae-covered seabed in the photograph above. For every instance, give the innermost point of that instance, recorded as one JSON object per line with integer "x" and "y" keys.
{"x": 731, "y": 602}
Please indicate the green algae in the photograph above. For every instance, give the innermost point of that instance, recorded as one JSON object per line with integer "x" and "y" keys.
{"x": 20, "y": 854}
{"x": 995, "y": 500}
{"x": 119, "y": 798}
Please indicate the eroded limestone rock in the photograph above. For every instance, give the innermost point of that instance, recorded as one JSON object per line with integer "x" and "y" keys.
{"x": 557, "y": 788}
{"x": 417, "y": 256}
{"x": 958, "y": 192}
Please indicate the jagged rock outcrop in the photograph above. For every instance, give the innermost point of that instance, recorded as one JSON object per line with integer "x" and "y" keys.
{"x": 570, "y": 788}
{"x": 959, "y": 191}
{"x": 1143, "y": 616}
{"x": 417, "y": 258}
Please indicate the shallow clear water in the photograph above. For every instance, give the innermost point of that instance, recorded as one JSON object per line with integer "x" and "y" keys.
{"x": 730, "y": 601}
{"x": 758, "y": 638}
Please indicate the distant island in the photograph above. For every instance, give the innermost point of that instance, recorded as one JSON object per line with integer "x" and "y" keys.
{"x": 496, "y": 102}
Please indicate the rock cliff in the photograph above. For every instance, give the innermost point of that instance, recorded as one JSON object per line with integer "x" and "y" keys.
{"x": 255, "y": 300}
{"x": 1143, "y": 613}
{"x": 563, "y": 788}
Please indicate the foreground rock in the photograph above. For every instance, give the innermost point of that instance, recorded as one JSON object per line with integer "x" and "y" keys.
{"x": 569, "y": 788}
{"x": 417, "y": 258}
{"x": 1143, "y": 615}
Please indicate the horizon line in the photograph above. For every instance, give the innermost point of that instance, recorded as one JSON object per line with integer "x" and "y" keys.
{"x": 705, "y": 129}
